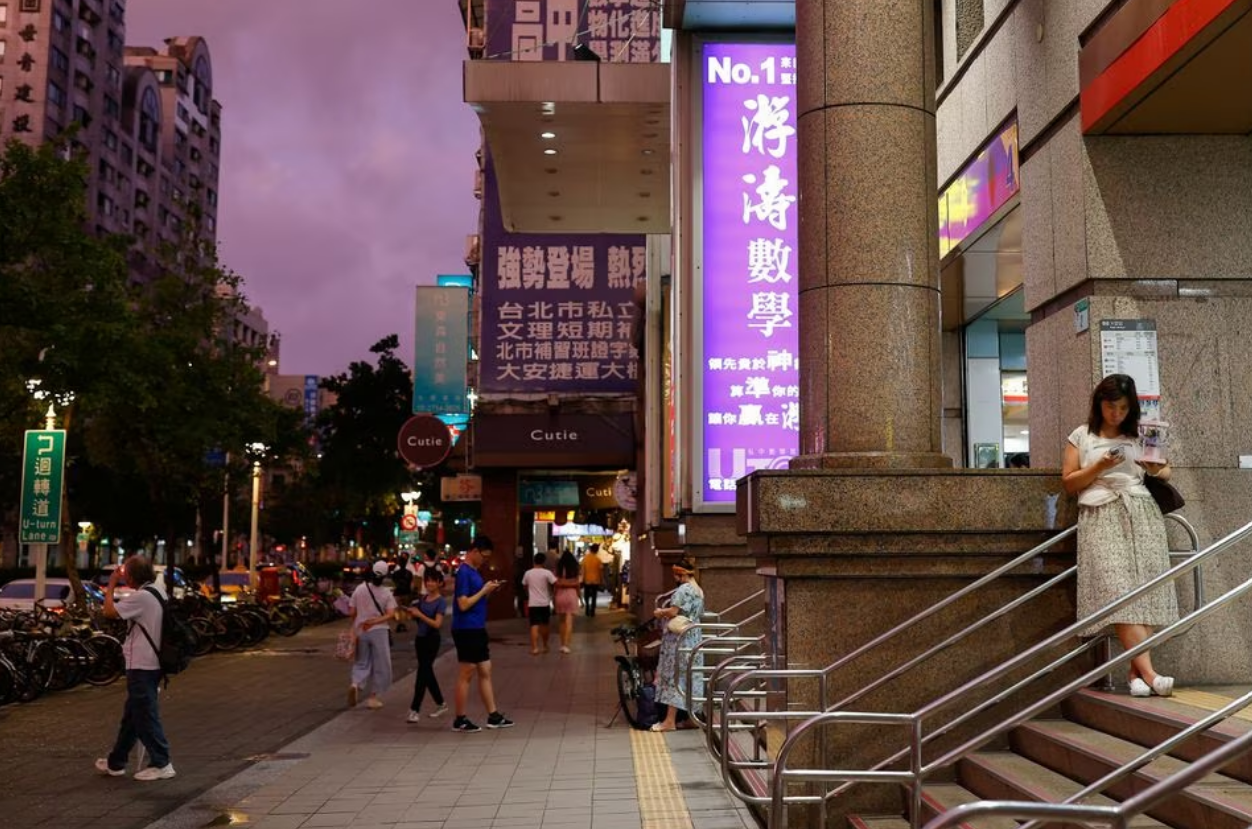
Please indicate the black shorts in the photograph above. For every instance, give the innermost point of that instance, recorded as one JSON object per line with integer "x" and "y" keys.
{"x": 540, "y": 615}
{"x": 471, "y": 646}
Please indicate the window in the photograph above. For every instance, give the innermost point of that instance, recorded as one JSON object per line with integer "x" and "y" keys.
{"x": 180, "y": 138}
{"x": 82, "y": 116}
{"x": 1, "y": 84}
{"x": 4, "y": 14}
{"x": 105, "y": 171}
{"x": 111, "y": 107}
{"x": 212, "y": 198}
{"x": 183, "y": 114}
{"x": 58, "y": 59}
{"x": 938, "y": 44}
{"x": 117, "y": 12}
{"x": 110, "y": 140}
{"x": 60, "y": 22}
{"x": 116, "y": 43}
{"x": 113, "y": 77}
{"x": 128, "y": 156}
{"x": 83, "y": 81}
{"x": 105, "y": 204}
{"x": 149, "y": 119}
{"x": 56, "y": 95}
{"x": 204, "y": 85}
{"x": 2, "y": 48}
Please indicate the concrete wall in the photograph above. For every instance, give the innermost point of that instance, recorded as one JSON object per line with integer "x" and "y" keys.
{"x": 1156, "y": 227}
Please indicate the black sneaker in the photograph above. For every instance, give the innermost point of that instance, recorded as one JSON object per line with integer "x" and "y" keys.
{"x": 464, "y": 725}
{"x": 498, "y": 720}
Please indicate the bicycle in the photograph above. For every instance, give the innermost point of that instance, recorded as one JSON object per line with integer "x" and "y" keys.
{"x": 635, "y": 671}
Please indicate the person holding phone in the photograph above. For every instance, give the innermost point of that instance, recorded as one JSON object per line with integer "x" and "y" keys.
{"x": 469, "y": 635}
{"x": 1121, "y": 532}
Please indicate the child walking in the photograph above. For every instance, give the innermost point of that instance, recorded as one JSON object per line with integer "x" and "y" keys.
{"x": 428, "y": 610}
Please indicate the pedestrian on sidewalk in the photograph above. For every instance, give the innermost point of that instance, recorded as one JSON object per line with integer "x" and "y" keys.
{"x": 538, "y": 583}
{"x": 593, "y": 578}
{"x": 688, "y": 601}
{"x": 141, "y": 715}
{"x": 372, "y": 608}
{"x": 429, "y": 611}
{"x": 469, "y": 634}
{"x": 567, "y": 581}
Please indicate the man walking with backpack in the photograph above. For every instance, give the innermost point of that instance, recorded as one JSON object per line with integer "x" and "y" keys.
{"x": 141, "y": 717}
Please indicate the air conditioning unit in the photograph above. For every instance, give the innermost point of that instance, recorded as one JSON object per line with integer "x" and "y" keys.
{"x": 476, "y": 41}
{"x": 473, "y": 249}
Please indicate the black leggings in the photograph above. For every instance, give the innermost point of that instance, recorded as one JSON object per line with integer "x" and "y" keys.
{"x": 427, "y": 649}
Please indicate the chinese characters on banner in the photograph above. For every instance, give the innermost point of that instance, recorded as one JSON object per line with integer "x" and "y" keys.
{"x": 750, "y": 372}
{"x": 43, "y": 472}
{"x": 618, "y": 31}
{"x": 558, "y": 311}
{"x": 441, "y": 337}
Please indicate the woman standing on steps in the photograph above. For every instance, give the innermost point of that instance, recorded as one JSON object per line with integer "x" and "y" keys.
{"x": 1121, "y": 532}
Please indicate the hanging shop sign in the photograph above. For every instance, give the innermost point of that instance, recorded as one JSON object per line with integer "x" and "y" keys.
{"x": 424, "y": 441}
{"x": 441, "y": 352}
{"x": 547, "y": 440}
{"x": 616, "y": 31}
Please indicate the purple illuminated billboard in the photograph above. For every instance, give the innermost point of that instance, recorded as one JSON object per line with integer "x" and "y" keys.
{"x": 558, "y": 310}
{"x": 750, "y": 383}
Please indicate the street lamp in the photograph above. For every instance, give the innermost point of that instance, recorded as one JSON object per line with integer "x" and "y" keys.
{"x": 256, "y": 451}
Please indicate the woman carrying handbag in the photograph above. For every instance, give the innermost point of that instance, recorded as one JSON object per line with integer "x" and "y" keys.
{"x": 372, "y": 609}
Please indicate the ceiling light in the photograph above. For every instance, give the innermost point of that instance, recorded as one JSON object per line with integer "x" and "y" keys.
{"x": 648, "y": 152}
{"x": 550, "y": 151}
{"x": 547, "y": 136}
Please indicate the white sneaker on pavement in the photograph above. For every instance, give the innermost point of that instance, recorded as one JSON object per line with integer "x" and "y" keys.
{"x": 414, "y": 717}
{"x": 156, "y": 772}
{"x": 439, "y": 711}
{"x": 102, "y": 766}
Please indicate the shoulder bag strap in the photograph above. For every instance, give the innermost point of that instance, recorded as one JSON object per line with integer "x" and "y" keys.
{"x": 369, "y": 589}
{"x": 144, "y": 631}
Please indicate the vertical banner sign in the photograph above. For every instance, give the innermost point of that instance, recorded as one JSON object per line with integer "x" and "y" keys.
{"x": 43, "y": 476}
{"x": 1129, "y": 347}
{"x": 557, "y": 311}
{"x": 441, "y": 336}
{"x": 618, "y": 31}
{"x": 310, "y": 399}
{"x": 750, "y": 383}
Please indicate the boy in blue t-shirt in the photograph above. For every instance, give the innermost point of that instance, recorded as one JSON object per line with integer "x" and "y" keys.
{"x": 469, "y": 634}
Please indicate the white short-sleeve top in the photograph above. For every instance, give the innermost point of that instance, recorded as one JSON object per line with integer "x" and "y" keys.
{"x": 1126, "y": 477}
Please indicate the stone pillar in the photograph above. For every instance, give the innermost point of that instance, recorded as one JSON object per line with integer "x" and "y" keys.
{"x": 869, "y": 393}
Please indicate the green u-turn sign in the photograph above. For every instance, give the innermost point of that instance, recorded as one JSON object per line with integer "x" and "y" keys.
{"x": 43, "y": 476}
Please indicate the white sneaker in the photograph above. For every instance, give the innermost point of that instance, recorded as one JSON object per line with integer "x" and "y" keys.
{"x": 373, "y": 703}
{"x": 565, "y": 649}
{"x": 439, "y": 711}
{"x": 414, "y": 717}
{"x": 102, "y": 766}
{"x": 156, "y": 772}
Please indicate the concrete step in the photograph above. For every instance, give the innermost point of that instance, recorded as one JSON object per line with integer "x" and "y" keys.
{"x": 938, "y": 798}
{"x": 1150, "y": 721}
{"x": 1002, "y": 775}
{"x": 859, "y": 822}
{"x": 1085, "y": 755}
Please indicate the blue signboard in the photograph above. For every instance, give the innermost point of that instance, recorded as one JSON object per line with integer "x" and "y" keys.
{"x": 455, "y": 280}
{"x": 310, "y": 399}
{"x": 441, "y": 338}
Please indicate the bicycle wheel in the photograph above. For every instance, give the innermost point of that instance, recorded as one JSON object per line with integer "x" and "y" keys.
{"x": 107, "y": 662}
{"x": 70, "y": 665}
{"x": 285, "y": 620}
{"x": 628, "y": 694}
{"x": 205, "y": 634}
{"x": 38, "y": 668}
{"x": 256, "y": 624}
{"x": 229, "y": 631}
{"x": 8, "y": 681}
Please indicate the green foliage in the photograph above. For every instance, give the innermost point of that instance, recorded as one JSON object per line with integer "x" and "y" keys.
{"x": 145, "y": 343}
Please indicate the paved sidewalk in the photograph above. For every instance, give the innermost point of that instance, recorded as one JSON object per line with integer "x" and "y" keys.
{"x": 560, "y": 767}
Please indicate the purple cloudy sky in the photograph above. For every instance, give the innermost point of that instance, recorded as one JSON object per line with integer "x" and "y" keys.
{"x": 348, "y": 159}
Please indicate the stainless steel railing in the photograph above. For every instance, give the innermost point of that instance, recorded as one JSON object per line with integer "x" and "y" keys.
{"x": 737, "y": 716}
{"x": 919, "y": 771}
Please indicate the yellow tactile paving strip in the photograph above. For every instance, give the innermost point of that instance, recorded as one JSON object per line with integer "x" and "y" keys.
{"x": 1207, "y": 701}
{"x": 661, "y": 803}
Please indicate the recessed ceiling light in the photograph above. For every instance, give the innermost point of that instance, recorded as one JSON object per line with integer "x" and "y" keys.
{"x": 648, "y": 151}
{"x": 547, "y": 136}
{"x": 550, "y": 151}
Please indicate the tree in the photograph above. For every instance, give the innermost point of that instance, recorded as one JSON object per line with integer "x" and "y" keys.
{"x": 361, "y": 473}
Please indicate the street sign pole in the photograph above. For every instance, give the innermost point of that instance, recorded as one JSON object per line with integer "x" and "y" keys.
{"x": 43, "y": 478}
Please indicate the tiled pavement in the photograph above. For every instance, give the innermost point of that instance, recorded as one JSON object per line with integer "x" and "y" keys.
{"x": 560, "y": 767}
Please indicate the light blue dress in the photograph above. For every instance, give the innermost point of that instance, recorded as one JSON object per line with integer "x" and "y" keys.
{"x": 671, "y": 681}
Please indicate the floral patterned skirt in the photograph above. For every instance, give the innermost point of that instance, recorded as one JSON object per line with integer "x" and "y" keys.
{"x": 1121, "y": 545}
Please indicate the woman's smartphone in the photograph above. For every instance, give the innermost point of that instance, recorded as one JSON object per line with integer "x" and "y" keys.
{"x": 1117, "y": 452}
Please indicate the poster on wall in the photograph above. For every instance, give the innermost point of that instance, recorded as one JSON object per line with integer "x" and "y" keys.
{"x": 1129, "y": 347}
{"x": 748, "y": 344}
{"x": 558, "y": 311}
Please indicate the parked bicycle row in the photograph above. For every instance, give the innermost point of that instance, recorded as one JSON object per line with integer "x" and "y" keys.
{"x": 55, "y": 648}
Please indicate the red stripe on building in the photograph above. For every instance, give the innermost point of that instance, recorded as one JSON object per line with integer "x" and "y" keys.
{"x": 1182, "y": 22}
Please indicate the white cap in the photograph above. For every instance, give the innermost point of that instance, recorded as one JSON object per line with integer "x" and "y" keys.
{"x": 381, "y": 568}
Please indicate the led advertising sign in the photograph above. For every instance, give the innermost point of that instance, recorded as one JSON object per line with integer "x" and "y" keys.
{"x": 749, "y": 374}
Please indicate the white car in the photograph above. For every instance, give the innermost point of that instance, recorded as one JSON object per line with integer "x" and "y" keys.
{"x": 19, "y": 594}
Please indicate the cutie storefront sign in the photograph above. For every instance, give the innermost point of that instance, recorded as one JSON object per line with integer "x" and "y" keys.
{"x": 750, "y": 384}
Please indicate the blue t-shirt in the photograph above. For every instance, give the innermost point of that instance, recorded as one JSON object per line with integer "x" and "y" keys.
{"x": 432, "y": 607}
{"x": 468, "y": 583}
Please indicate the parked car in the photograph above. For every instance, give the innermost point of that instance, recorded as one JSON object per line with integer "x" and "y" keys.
{"x": 233, "y": 583}
{"x": 19, "y": 594}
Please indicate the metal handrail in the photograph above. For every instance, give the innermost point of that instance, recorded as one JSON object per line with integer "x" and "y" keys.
{"x": 1116, "y": 817}
{"x": 729, "y": 714}
{"x": 739, "y": 645}
{"x": 758, "y": 595}
{"x": 781, "y": 773}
